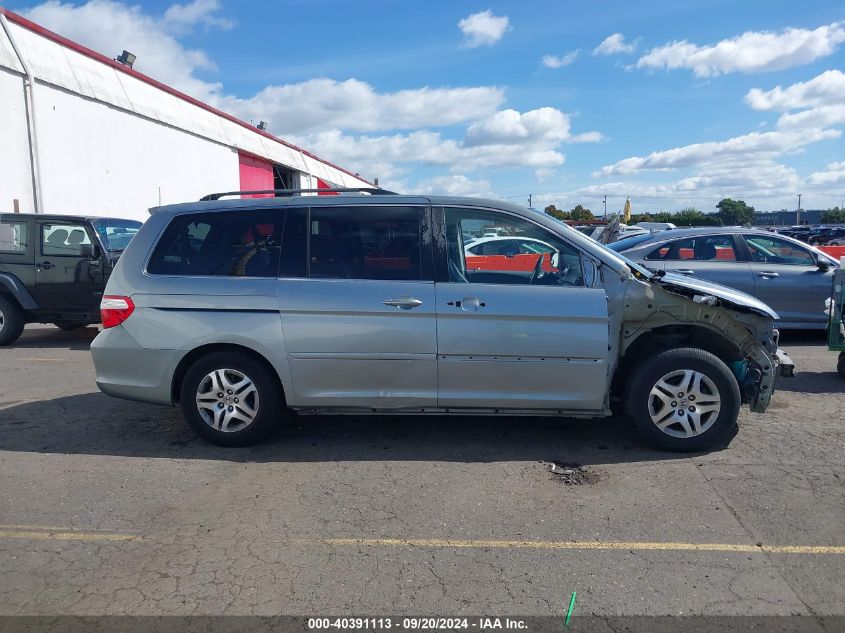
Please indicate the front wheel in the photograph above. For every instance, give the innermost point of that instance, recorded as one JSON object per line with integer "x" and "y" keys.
{"x": 230, "y": 399}
{"x": 684, "y": 399}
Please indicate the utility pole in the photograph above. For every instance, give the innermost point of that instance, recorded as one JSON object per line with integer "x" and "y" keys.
{"x": 798, "y": 212}
{"x": 605, "y": 206}
{"x": 529, "y": 201}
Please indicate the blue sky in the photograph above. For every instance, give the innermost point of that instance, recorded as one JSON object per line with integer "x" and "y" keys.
{"x": 675, "y": 105}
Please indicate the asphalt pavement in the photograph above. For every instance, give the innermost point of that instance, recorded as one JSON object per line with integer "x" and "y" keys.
{"x": 109, "y": 507}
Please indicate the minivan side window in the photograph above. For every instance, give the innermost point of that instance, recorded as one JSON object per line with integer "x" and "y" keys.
{"x": 223, "y": 244}
{"x": 13, "y": 237}
{"x": 366, "y": 242}
{"x": 497, "y": 248}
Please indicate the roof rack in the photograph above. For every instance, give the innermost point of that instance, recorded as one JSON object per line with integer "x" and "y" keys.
{"x": 374, "y": 191}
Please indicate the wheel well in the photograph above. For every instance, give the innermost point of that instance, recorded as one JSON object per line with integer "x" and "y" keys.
{"x": 670, "y": 336}
{"x": 195, "y": 354}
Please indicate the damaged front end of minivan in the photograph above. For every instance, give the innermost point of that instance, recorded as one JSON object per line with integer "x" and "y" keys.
{"x": 666, "y": 311}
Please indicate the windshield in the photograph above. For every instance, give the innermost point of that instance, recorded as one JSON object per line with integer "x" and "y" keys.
{"x": 628, "y": 242}
{"x": 638, "y": 269}
{"x": 115, "y": 233}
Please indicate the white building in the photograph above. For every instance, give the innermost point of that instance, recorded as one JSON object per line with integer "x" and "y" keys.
{"x": 83, "y": 134}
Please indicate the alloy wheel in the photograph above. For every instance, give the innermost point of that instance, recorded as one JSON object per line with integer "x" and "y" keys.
{"x": 227, "y": 400}
{"x": 684, "y": 403}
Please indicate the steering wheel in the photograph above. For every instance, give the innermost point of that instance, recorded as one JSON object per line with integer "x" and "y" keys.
{"x": 538, "y": 271}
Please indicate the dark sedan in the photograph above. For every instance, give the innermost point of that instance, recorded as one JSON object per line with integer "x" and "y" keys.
{"x": 791, "y": 277}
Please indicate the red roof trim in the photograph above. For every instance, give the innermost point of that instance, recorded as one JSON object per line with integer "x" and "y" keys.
{"x": 79, "y": 48}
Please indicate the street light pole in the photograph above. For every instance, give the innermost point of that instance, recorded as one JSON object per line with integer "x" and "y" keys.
{"x": 605, "y": 207}
{"x": 798, "y": 212}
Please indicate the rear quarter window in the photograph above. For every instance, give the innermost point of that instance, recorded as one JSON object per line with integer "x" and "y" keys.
{"x": 13, "y": 237}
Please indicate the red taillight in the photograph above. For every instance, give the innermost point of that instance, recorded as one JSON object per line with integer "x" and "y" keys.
{"x": 115, "y": 310}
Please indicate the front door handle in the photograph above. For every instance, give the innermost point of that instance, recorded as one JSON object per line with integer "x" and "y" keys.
{"x": 767, "y": 273}
{"x": 685, "y": 271}
{"x": 467, "y": 304}
{"x": 46, "y": 265}
{"x": 403, "y": 303}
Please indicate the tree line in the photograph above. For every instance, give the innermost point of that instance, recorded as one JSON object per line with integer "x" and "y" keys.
{"x": 729, "y": 213}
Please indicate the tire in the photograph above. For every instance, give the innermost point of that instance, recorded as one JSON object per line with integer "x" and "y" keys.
{"x": 12, "y": 320}
{"x": 696, "y": 429}
{"x": 264, "y": 397}
{"x": 69, "y": 326}
{"x": 840, "y": 365}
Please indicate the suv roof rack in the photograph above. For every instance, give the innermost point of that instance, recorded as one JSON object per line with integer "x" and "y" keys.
{"x": 375, "y": 191}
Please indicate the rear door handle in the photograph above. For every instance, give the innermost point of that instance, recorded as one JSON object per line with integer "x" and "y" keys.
{"x": 46, "y": 265}
{"x": 403, "y": 303}
{"x": 767, "y": 273}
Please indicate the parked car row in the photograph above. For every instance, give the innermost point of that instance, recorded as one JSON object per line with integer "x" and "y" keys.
{"x": 818, "y": 235}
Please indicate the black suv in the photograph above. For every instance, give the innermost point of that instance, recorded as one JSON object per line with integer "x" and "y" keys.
{"x": 53, "y": 268}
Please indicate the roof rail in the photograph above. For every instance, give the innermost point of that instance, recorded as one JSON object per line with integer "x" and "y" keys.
{"x": 374, "y": 191}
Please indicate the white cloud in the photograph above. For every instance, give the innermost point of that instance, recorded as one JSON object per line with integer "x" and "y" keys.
{"x": 825, "y": 89}
{"x": 454, "y": 185}
{"x": 821, "y": 101}
{"x": 615, "y": 45}
{"x": 510, "y": 127}
{"x": 747, "y": 148}
{"x": 767, "y": 185}
{"x": 813, "y": 118}
{"x": 185, "y": 16}
{"x": 505, "y": 139}
{"x": 555, "y": 61}
{"x": 833, "y": 175}
{"x": 543, "y": 174}
{"x": 367, "y": 153}
{"x": 483, "y": 28}
{"x": 750, "y": 52}
{"x": 355, "y": 105}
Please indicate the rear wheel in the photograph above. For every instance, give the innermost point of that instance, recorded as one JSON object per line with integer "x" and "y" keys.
{"x": 230, "y": 399}
{"x": 840, "y": 365}
{"x": 684, "y": 399}
{"x": 11, "y": 320}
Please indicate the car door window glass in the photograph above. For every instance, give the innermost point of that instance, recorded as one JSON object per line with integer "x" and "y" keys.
{"x": 717, "y": 248}
{"x": 225, "y": 244}
{"x": 773, "y": 250}
{"x": 13, "y": 237}
{"x": 366, "y": 242}
{"x": 63, "y": 239}
{"x": 514, "y": 251}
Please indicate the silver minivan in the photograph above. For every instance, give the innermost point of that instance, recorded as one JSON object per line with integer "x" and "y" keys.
{"x": 241, "y": 311}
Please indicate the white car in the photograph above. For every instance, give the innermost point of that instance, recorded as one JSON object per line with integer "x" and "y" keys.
{"x": 507, "y": 245}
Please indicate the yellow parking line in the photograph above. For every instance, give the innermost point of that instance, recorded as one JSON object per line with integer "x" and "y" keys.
{"x": 52, "y": 534}
{"x": 590, "y": 545}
